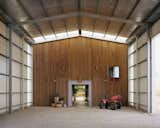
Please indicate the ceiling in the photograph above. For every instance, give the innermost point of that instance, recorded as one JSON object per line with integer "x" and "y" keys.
{"x": 50, "y": 17}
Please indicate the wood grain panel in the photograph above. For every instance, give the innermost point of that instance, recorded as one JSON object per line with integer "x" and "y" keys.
{"x": 80, "y": 58}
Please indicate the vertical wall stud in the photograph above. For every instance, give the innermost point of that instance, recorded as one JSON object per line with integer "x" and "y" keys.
{"x": 149, "y": 70}
{"x": 10, "y": 68}
{"x": 137, "y": 74}
{"x": 22, "y": 79}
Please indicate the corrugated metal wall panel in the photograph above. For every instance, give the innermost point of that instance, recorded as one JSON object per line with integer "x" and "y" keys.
{"x": 4, "y": 69}
{"x": 137, "y": 60}
{"x": 16, "y": 69}
{"x": 4, "y": 46}
{"x": 16, "y": 82}
{"x": 16, "y": 53}
{"x": 21, "y": 63}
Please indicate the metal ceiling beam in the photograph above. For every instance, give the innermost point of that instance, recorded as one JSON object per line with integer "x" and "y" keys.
{"x": 112, "y": 14}
{"x": 62, "y": 11}
{"x": 116, "y": 19}
{"x": 150, "y": 19}
{"x": 82, "y": 14}
{"x": 46, "y": 14}
{"x": 17, "y": 27}
{"x": 79, "y": 18}
{"x": 51, "y": 18}
{"x": 97, "y": 8}
{"x": 128, "y": 16}
{"x": 30, "y": 17}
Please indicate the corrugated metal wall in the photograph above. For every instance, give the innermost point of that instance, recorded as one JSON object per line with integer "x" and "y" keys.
{"x": 21, "y": 77}
{"x": 139, "y": 71}
{"x": 137, "y": 62}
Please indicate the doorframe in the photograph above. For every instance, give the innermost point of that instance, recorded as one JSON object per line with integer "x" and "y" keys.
{"x": 83, "y": 82}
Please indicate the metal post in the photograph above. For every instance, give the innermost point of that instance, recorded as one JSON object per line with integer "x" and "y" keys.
{"x": 149, "y": 70}
{"x": 10, "y": 68}
{"x": 137, "y": 75}
{"x": 22, "y": 80}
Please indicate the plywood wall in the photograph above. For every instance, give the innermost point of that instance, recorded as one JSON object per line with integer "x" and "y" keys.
{"x": 55, "y": 63}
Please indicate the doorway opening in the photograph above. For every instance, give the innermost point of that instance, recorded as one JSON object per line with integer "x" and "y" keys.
{"x": 80, "y": 95}
{"x": 155, "y": 74}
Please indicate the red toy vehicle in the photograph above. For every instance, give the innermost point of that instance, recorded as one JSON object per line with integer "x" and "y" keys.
{"x": 103, "y": 103}
{"x": 114, "y": 102}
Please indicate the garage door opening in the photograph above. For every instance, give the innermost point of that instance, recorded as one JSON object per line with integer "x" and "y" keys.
{"x": 80, "y": 95}
{"x": 156, "y": 74}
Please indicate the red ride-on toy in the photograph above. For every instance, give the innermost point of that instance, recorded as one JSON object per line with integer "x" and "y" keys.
{"x": 114, "y": 102}
{"x": 103, "y": 103}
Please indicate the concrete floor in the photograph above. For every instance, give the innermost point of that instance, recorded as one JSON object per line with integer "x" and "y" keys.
{"x": 80, "y": 117}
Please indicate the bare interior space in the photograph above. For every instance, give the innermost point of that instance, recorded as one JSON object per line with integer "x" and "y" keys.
{"x": 79, "y": 63}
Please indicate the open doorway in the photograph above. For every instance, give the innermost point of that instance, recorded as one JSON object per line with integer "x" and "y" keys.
{"x": 80, "y": 95}
{"x": 156, "y": 74}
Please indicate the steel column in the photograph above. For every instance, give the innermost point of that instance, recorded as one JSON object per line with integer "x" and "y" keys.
{"x": 149, "y": 70}
{"x": 10, "y": 68}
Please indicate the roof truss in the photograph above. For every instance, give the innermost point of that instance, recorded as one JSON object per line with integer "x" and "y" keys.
{"x": 81, "y": 14}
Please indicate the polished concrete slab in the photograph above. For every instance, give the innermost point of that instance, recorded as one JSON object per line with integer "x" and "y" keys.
{"x": 79, "y": 117}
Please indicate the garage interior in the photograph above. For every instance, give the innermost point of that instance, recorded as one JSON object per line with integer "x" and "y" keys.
{"x": 60, "y": 58}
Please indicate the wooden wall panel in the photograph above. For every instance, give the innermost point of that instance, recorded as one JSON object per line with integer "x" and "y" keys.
{"x": 80, "y": 58}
